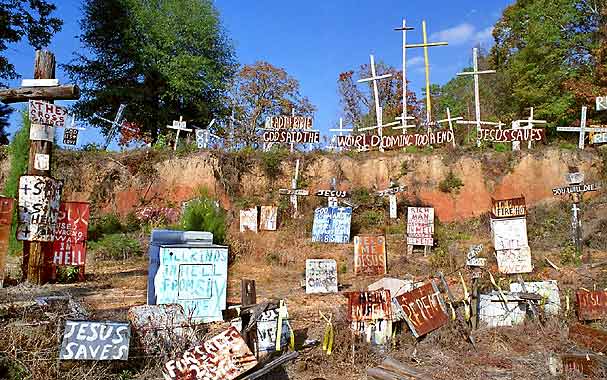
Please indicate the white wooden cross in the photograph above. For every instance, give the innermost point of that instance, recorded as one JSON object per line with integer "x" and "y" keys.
{"x": 203, "y": 136}
{"x": 426, "y": 45}
{"x": 477, "y": 98}
{"x": 294, "y": 192}
{"x": 178, "y": 125}
{"x": 450, "y": 121}
{"x": 116, "y": 124}
{"x": 582, "y": 129}
{"x": 73, "y": 126}
{"x": 339, "y": 130}
{"x": 404, "y": 118}
{"x": 378, "y": 111}
{"x": 391, "y": 194}
{"x": 380, "y": 127}
{"x": 516, "y": 145}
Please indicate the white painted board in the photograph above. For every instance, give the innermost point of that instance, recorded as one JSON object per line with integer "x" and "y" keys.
{"x": 510, "y": 261}
{"x": 548, "y": 290}
{"x": 248, "y": 220}
{"x": 321, "y": 276}
{"x": 39, "y": 200}
{"x": 509, "y": 233}
{"x": 495, "y": 313}
{"x": 40, "y": 132}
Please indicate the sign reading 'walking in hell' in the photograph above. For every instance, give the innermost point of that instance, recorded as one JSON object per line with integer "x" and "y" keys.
{"x": 370, "y": 255}
{"x": 39, "y": 199}
{"x": 71, "y": 232}
{"x": 88, "y": 340}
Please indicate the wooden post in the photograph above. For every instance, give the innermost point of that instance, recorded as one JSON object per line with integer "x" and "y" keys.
{"x": 248, "y": 296}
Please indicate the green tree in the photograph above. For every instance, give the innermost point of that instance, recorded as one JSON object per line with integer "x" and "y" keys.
{"x": 165, "y": 58}
{"x": 19, "y": 19}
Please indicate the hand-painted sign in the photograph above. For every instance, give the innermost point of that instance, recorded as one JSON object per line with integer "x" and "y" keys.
{"x": 321, "y": 276}
{"x": 70, "y": 136}
{"x": 420, "y": 226}
{"x": 369, "y": 305}
{"x": 581, "y": 188}
{"x": 194, "y": 277}
{"x": 301, "y": 192}
{"x": 292, "y": 136}
{"x": 548, "y": 290}
{"x": 473, "y": 259}
{"x": 89, "y": 340}
{"x": 395, "y": 141}
{"x": 332, "y": 224}
{"x": 601, "y": 103}
{"x": 424, "y": 309}
{"x": 591, "y": 305}
{"x": 6, "y": 219}
{"x": 517, "y": 260}
{"x": 41, "y": 161}
{"x": 268, "y": 218}
{"x": 510, "y": 135}
{"x": 370, "y": 255}
{"x": 289, "y": 122}
{"x": 41, "y": 112}
{"x": 588, "y": 337}
{"x": 39, "y": 199}
{"x": 395, "y": 286}
{"x": 71, "y": 233}
{"x": 508, "y": 208}
{"x": 509, "y": 233}
{"x": 332, "y": 193}
{"x": 574, "y": 178}
{"x": 223, "y": 357}
{"x": 267, "y": 328}
{"x": 589, "y": 364}
{"x": 248, "y": 220}
{"x": 496, "y": 313}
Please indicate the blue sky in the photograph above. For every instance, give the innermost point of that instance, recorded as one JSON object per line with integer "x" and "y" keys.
{"x": 315, "y": 40}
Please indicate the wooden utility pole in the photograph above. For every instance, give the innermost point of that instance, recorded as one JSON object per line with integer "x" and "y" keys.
{"x": 37, "y": 256}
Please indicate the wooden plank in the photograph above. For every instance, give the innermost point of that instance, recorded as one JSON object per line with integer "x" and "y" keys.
{"x": 400, "y": 369}
{"x": 424, "y": 309}
{"x": 271, "y": 366}
{"x": 248, "y": 293}
{"x": 586, "y": 363}
{"x": 22, "y": 94}
{"x": 588, "y": 337}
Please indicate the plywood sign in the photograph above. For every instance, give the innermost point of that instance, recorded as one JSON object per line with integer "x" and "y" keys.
{"x": 321, "y": 276}
{"x": 420, "y": 226}
{"x": 248, "y": 220}
{"x": 88, "y": 340}
{"x": 424, "y": 309}
{"x": 395, "y": 141}
{"x": 223, "y": 357}
{"x": 495, "y": 313}
{"x": 70, "y": 136}
{"x": 290, "y": 122}
{"x": 548, "y": 290}
{"x": 592, "y": 305}
{"x": 195, "y": 278}
{"x": 369, "y": 305}
{"x": 510, "y": 135}
{"x": 291, "y": 136}
{"x": 6, "y": 219}
{"x": 508, "y": 208}
{"x": 268, "y": 218}
{"x": 509, "y": 233}
{"x": 517, "y": 260}
{"x": 370, "y": 255}
{"x": 71, "y": 233}
{"x": 332, "y": 224}
{"x": 267, "y": 328}
{"x": 39, "y": 200}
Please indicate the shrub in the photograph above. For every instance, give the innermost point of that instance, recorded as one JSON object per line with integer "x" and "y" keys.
{"x": 450, "y": 184}
{"x": 272, "y": 161}
{"x": 116, "y": 247}
{"x": 203, "y": 214}
{"x": 361, "y": 197}
{"x": 501, "y": 148}
{"x": 67, "y": 274}
{"x": 370, "y": 218}
{"x": 567, "y": 146}
{"x": 104, "y": 225}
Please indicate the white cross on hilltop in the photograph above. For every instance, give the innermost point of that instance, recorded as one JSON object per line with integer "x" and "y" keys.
{"x": 378, "y": 111}
{"x": 450, "y": 121}
{"x": 404, "y": 117}
{"x": 334, "y": 141}
{"x": 516, "y": 145}
{"x": 178, "y": 125}
{"x": 582, "y": 128}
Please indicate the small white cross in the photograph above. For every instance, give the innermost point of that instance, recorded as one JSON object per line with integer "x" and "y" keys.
{"x": 116, "y": 123}
{"x": 178, "y": 125}
{"x": 450, "y": 121}
{"x": 380, "y": 127}
{"x": 294, "y": 192}
{"x": 516, "y": 145}
{"x": 341, "y": 129}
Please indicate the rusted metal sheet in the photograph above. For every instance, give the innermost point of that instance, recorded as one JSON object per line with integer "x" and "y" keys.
{"x": 588, "y": 364}
{"x": 370, "y": 255}
{"x": 6, "y": 217}
{"x": 424, "y": 309}
{"x": 591, "y": 305}
{"x": 369, "y": 305}
{"x": 39, "y": 199}
{"x": 590, "y": 338}
{"x": 71, "y": 233}
{"x": 508, "y": 208}
{"x": 223, "y": 357}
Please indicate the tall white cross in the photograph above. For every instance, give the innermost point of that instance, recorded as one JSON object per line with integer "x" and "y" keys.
{"x": 403, "y": 117}
{"x": 339, "y": 130}
{"x": 450, "y": 121}
{"x": 294, "y": 192}
{"x": 477, "y": 96}
{"x": 582, "y": 129}
{"x": 116, "y": 124}
{"x": 178, "y": 125}
{"x": 380, "y": 127}
{"x": 516, "y": 145}
{"x": 426, "y": 45}
{"x": 378, "y": 111}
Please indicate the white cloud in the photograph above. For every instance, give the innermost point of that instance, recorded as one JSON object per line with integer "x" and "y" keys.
{"x": 463, "y": 33}
{"x": 485, "y": 35}
{"x": 415, "y": 61}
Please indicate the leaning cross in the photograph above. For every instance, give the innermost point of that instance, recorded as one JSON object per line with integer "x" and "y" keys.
{"x": 403, "y": 117}
{"x": 378, "y": 110}
{"x": 294, "y": 192}
{"x": 450, "y": 121}
{"x": 477, "y": 97}
{"x": 44, "y": 86}
{"x": 116, "y": 124}
{"x": 179, "y": 125}
{"x": 426, "y": 45}
{"x": 516, "y": 145}
{"x": 391, "y": 194}
{"x": 582, "y": 129}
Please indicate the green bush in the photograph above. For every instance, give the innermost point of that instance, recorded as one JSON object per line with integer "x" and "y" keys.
{"x": 370, "y": 218}
{"x": 116, "y": 247}
{"x": 202, "y": 214}
{"x": 361, "y": 197}
{"x": 450, "y": 184}
{"x": 105, "y": 225}
{"x": 567, "y": 146}
{"x": 501, "y": 148}
{"x": 272, "y": 161}
{"x": 67, "y": 274}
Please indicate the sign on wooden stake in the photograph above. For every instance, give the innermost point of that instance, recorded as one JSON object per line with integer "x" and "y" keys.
{"x": 294, "y": 192}
{"x": 178, "y": 125}
{"x": 321, "y": 276}
{"x": 39, "y": 199}
{"x": 391, "y": 194}
{"x": 370, "y": 255}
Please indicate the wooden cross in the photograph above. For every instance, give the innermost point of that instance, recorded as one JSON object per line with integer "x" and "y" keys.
{"x": 391, "y": 194}
{"x": 339, "y": 130}
{"x": 116, "y": 124}
{"x": 450, "y": 121}
{"x": 404, "y": 118}
{"x": 582, "y": 129}
{"x": 516, "y": 145}
{"x": 44, "y": 86}
{"x": 380, "y": 127}
{"x": 203, "y": 136}
{"x": 477, "y": 97}
{"x": 294, "y": 192}
{"x": 426, "y": 45}
{"x": 178, "y": 125}
{"x": 378, "y": 111}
